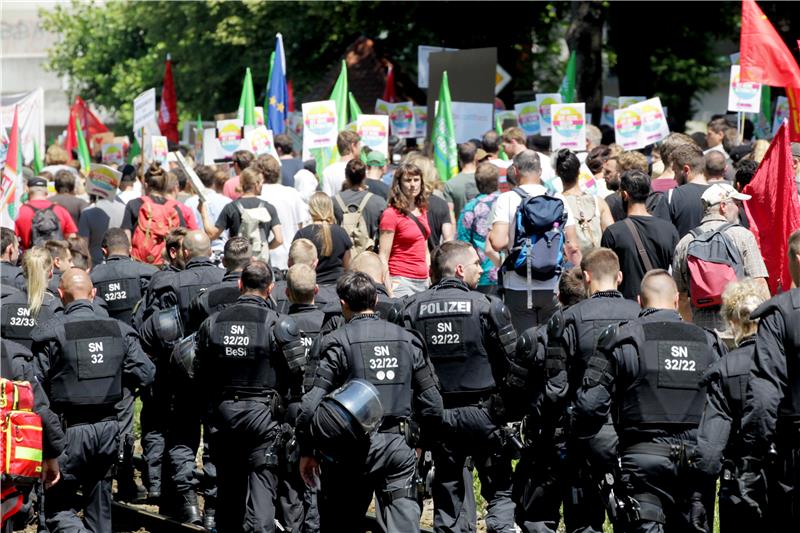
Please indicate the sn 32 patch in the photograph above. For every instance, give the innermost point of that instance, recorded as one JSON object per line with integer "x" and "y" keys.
{"x": 679, "y": 364}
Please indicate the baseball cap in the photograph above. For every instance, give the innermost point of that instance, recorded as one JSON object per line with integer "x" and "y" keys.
{"x": 376, "y": 159}
{"x": 37, "y": 181}
{"x": 719, "y": 192}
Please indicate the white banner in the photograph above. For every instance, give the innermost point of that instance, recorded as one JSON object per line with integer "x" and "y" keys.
{"x": 544, "y": 101}
{"x": 31, "y": 121}
{"x": 320, "y": 127}
{"x": 374, "y": 132}
{"x": 743, "y": 95}
{"x": 568, "y": 123}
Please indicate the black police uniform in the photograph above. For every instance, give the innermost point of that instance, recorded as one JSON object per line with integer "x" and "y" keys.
{"x": 470, "y": 346}
{"x": 772, "y": 411}
{"x": 393, "y": 360}
{"x": 11, "y": 275}
{"x": 569, "y": 339}
{"x": 719, "y": 439}
{"x": 174, "y": 395}
{"x": 243, "y": 373}
{"x": 650, "y": 369}
{"x": 326, "y": 298}
{"x": 16, "y": 322}
{"x": 84, "y": 360}
{"x": 121, "y": 282}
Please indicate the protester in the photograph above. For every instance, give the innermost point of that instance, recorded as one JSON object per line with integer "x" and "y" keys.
{"x": 103, "y": 214}
{"x": 290, "y": 165}
{"x": 685, "y": 206}
{"x": 214, "y": 199}
{"x": 241, "y": 160}
{"x": 65, "y": 195}
{"x": 717, "y": 130}
{"x": 716, "y": 166}
{"x": 39, "y": 219}
{"x": 332, "y": 242}
{"x": 404, "y": 232}
{"x": 376, "y": 168}
{"x": 129, "y": 186}
{"x": 349, "y": 145}
{"x": 440, "y": 219}
{"x": 461, "y": 188}
{"x": 356, "y": 192}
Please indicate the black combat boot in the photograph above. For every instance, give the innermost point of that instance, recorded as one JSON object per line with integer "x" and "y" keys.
{"x": 190, "y": 510}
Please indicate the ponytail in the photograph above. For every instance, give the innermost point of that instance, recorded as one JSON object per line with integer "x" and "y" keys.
{"x": 320, "y": 207}
{"x": 37, "y": 266}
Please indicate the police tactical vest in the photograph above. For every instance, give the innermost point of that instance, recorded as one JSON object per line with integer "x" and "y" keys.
{"x": 379, "y": 352}
{"x": 191, "y": 281}
{"x": 590, "y": 318}
{"x": 450, "y": 321}
{"x": 89, "y": 371}
{"x": 120, "y": 287}
{"x": 309, "y": 321}
{"x": 789, "y": 304}
{"x": 243, "y": 349}
{"x": 16, "y": 320}
{"x": 672, "y": 359}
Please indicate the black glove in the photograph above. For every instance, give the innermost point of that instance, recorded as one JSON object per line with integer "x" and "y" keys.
{"x": 698, "y": 518}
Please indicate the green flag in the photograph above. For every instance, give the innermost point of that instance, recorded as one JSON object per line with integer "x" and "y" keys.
{"x": 37, "y": 165}
{"x": 339, "y": 95}
{"x": 83, "y": 149}
{"x": 269, "y": 78}
{"x": 247, "y": 102}
{"x": 568, "y": 82}
{"x": 501, "y": 154}
{"x": 444, "y": 135}
{"x": 134, "y": 150}
{"x": 355, "y": 111}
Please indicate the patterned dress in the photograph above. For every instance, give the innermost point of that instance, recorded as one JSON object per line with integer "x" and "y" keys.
{"x": 474, "y": 226}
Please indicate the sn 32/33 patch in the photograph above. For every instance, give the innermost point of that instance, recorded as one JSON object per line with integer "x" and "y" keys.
{"x": 679, "y": 364}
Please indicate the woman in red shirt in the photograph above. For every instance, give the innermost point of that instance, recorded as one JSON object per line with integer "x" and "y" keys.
{"x": 404, "y": 232}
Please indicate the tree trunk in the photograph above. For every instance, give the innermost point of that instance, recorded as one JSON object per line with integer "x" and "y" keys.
{"x": 585, "y": 36}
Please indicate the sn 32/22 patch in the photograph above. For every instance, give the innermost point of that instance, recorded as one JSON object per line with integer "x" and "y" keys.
{"x": 678, "y": 364}
{"x": 381, "y": 363}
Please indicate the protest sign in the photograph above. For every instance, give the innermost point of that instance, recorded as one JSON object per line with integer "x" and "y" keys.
{"x": 610, "y": 104}
{"x": 374, "y": 132}
{"x": 568, "y": 123}
{"x": 260, "y": 116}
{"x": 103, "y": 181}
{"x": 156, "y": 149}
{"x": 261, "y": 141}
{"x": 626, "y": 101}
{"x": 544, "y": 101}
{"x": 506, "y": 117}
{"x": 471, "y": 120}
{"x": 743, "y": 96}
{"x": 401, "y": 119}
{"x": 113, "y": 153}
{"x": 320, "y": 126}
{"x": 212, "y": 149}
{"x": 144, "y": 114}
{"x": 422, "y": 62}
{"x": 294, "y": 127}
{"x": 196, "y": 183}
{"x": 654, "y": 122}
{"x": 420, "y": 120}
{"x": 229, "y": 134}
{"x": 627, "y": 123}
{"x": 781, "y": 112}
{"x": 382, "y": 107}
{"x": 30, "y": 120}
{"x": 527, "y": 115}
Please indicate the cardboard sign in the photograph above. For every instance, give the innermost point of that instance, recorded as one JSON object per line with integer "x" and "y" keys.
{"x": 113, "y": 154}
{"x": 156, "y": 149}
{"x": 568, "y": 122}
{"x": 320, "y": 126}
{"x": 401, "y": 119}
{"x": 527, "y": 115}
{"x": 423, "y": 67}
{"x": 743, "y": 96}
{"x": 544, "y": 101}
{"x": 420, "y": 120}
{"x": 196, "y": 183}
{"x": 294, "y": 127}
{"x": 627, "y": 101}
{"x": 654, "y": 121}
{"x": 610, "y": 104}
{"x": 382, "y": 107}
{"x": 627, "y": 124}
{"x": 103, "y": 181}
{"x": 229, "y": 134}
{"x": 471, "y": 120}
{"x": 260, "y": 116}
{"x": 374, "y": 132}
{"x": 261, "y": 141}
{"x": 781, "y": 112}
{"x": 144, "y": 114}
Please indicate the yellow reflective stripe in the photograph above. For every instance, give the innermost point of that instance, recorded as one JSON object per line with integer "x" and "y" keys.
{"x": 28, "y": 454}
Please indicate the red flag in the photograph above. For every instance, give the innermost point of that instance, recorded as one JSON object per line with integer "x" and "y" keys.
{"x": 388, "y": 92}
{"x": 774, "y": 210}
{"x": 289, "y": 97}
{"x": 168, "y": 112}
{"x": 766, "y": 59}
{"x": 89, "y": 121}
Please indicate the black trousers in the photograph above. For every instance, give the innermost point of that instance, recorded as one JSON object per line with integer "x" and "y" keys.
{"x": 86, "y": 466}
{"x": 544, "y": 305}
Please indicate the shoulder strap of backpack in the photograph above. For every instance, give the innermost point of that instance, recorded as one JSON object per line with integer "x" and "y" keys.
{"x": 340, "y": 201}
{"x": 648, "y": 265}
{"x": 520, "y": 192}
{"x": 363, "y": 204}
{"x": 669, "y": 195}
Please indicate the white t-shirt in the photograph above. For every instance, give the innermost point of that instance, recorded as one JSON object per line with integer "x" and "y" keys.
{"x": 215, "y": 203}
{"x": 504, "y": 210}
{"x": 292, "y": 211}
{"x": 718, "y": 148}
{"x": 333, "y": 178}
{"x": 306, "y": 183}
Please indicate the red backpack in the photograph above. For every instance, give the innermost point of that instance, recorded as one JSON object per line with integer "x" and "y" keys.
{"x": 155, "y": 222}
{"x": 20, "y": 443}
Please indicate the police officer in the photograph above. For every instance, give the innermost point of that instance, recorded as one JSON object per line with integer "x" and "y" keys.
{"x": 646, "y": 372}
{"x": 470, "y": 342}
{"x": 772, "y": 413}
{"x": 120, "y": 281}
{"x": 84, "y": 360}
{"x": 394, "y": 361}
{"x": 182, "y": 438}
{"x": 719, "y": 439}
{"x": 247, "y": 357}
{"x": 303, "y": 251}
{"x": 10, "y": 273}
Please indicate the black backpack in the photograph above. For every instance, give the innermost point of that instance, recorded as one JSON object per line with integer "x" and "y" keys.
{"x": 45, "y": 225}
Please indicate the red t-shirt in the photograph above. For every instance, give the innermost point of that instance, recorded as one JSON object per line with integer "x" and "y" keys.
{"x": 663, "y": 185}
{"x": 22, "y": 226}
{"x": 407, "y": 257}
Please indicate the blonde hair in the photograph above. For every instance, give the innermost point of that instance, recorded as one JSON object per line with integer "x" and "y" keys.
{"x": 759, "y": 150}
{"x": 739, "y": 300}
{"x": 37, "y": 265}
{"x": 320, "y": 207}
{"x": 301, "y": 280}
{"x": 303, "y": 252}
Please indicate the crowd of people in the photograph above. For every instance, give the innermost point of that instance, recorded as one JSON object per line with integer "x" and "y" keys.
{"x": 323, "y": 337}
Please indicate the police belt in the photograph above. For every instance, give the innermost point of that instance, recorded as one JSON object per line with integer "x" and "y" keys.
{"x": 453, "y": 400}
{"x": 675, "y": 452}
{"x": 261, "y": 396}
{"x": 393, "y": 425}
{"x": 78, "y": 415}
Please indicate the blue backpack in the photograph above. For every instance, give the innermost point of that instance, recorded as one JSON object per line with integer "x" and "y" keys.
{"x": 538, "y": 250}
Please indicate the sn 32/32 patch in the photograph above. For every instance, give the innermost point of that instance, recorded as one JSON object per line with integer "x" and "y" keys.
{"x": 679, "y": 364}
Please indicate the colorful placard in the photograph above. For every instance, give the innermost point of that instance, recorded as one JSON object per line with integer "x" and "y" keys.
{"x": 781, "y": 112}
{"x": 401, "y": 119}
{"x": 610, "y": 104}
{"x": 743, "y": 96}
{"x": 374, "y": 132}
{"x": 261, "y": 141}
{"x": 420, "y": 121}
{"x": 320, "y": 127}
{"x": 527, "y": 115}
{"x": 103, "y": 181}
{"x": 229, "y": 134}
{"x": 156, "y": 148}
{"x": 654, "y": 121}
{"x": 544, "y": 101}
{"x": 568, "y": 126}
{"x": 627, "y": 101}
{"x": 113, "y": 153}
{"x": 382, "y": 107}
{"x": 627, "y": 124}
{"x": 260, "y": 116}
